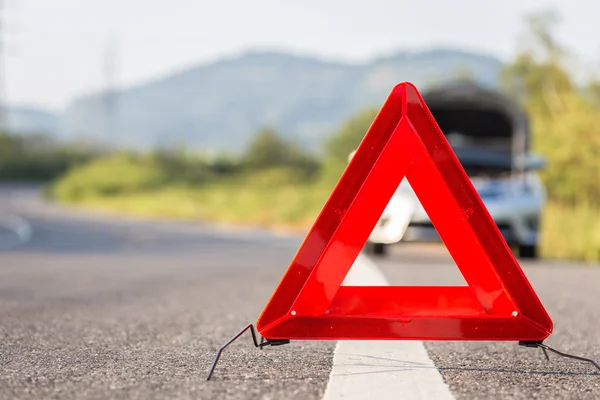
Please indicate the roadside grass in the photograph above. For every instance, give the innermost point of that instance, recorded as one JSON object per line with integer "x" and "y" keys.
{"x": 278, "y": 198}
{"x": 571, "y": 232}
{"x": 568, "y": 232}
{"x": 291, "y": 207}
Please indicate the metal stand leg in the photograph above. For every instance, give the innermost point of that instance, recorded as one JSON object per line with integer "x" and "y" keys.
{"x": 260, "y": 345}
{"x": 560, "y": 353}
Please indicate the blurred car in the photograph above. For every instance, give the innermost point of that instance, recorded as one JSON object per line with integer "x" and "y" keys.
{"x": 490, "y": 135}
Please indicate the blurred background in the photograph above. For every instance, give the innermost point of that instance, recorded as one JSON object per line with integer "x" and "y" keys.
{"x": 246, "y": 112}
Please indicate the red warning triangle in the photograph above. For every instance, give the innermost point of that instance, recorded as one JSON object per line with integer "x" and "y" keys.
{"x": 404, "y": 140}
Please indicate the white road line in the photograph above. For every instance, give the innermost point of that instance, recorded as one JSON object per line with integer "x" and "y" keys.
{"x": 20, "y": 231}
{"x": 382, "y": 369}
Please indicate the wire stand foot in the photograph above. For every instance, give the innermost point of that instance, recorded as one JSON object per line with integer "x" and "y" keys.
{"x": 263, "y": 343}
{"x": 546, "y": 348}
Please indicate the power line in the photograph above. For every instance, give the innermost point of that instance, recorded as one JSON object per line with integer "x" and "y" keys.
{"x": 3, "y": 100}
{"x": 6, "y": 28}
{"x": 111, "y": 64}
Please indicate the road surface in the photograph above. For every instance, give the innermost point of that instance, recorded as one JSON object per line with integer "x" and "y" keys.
{"x": 95, "y": 306}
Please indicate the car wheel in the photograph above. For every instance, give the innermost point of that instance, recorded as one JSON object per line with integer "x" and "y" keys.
{"x": 528, "y": 252}
{"x": 379, "y": 249}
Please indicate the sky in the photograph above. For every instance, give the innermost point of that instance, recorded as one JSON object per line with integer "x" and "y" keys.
{"x": 55, "y": 50}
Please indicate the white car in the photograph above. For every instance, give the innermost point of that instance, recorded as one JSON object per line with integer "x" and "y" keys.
{"x": 490, "y": 137}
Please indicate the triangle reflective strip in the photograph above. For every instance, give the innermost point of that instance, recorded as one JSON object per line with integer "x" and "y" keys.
{"x": 404, "y": 141}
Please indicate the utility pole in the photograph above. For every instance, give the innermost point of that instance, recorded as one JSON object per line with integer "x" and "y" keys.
{"x": 3, "y": 102}
{"x": 110, "y": 88}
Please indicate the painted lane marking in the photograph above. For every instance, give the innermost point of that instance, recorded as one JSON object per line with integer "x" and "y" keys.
{"x": 20, "y": 231}
{"x": 382, "y": 369}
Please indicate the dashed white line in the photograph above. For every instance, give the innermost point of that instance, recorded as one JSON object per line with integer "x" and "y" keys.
{"x": 382, "y": 369}
{"x": 20, "y": 231}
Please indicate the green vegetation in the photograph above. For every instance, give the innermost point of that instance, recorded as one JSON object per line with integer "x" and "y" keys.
{"x": 571, "y": 232}
{"x": 37, "y": 158}
{"x": 273, "y": 183}
{"x": 566, "y": 130}
{"x": 276, "y": 183}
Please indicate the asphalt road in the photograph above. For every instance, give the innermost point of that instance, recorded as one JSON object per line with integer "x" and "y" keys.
{"x": 97, "y": 306}
{"x": 492, "y": 370}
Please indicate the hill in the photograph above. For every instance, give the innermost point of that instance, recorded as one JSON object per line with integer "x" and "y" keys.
{"x": 31, "y": 120}
{"x": 220, "y": 105}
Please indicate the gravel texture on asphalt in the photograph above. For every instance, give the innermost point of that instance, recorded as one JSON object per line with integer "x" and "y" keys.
{"x": 505, "y": 370}
{"x": 93, "y": 310}
{"x": 98, "y": 306}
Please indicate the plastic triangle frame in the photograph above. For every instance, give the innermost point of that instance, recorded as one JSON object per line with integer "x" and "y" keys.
{"x": 404, "y": 140}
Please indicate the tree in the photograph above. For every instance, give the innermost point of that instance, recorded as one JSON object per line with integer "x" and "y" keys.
{"x": 565, "y": 121}
{"x": 10, "y": 146}
{"x": 268, "y": 150}
{"x": 349, "y": 136}
{"x": 594, "y": 91}
{"x": 537, "y": 76}
{"x": 342, "y": 143}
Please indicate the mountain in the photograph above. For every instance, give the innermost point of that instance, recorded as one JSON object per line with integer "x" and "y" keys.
{"x": 30, "y": 120}
{"x": 220, "y": 105}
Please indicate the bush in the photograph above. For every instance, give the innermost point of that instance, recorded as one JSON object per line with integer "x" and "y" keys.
{"x": 36, "y": 158}
{"x": 109, "y": 176}
{"x": 272, "y": 178}
{"x": 182, "y": 168}
{"x": 570, "y": 140}
{"x": 349, "y": 136}
{"x": 269, "y": 150}
{"x": 571, "y": 232}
